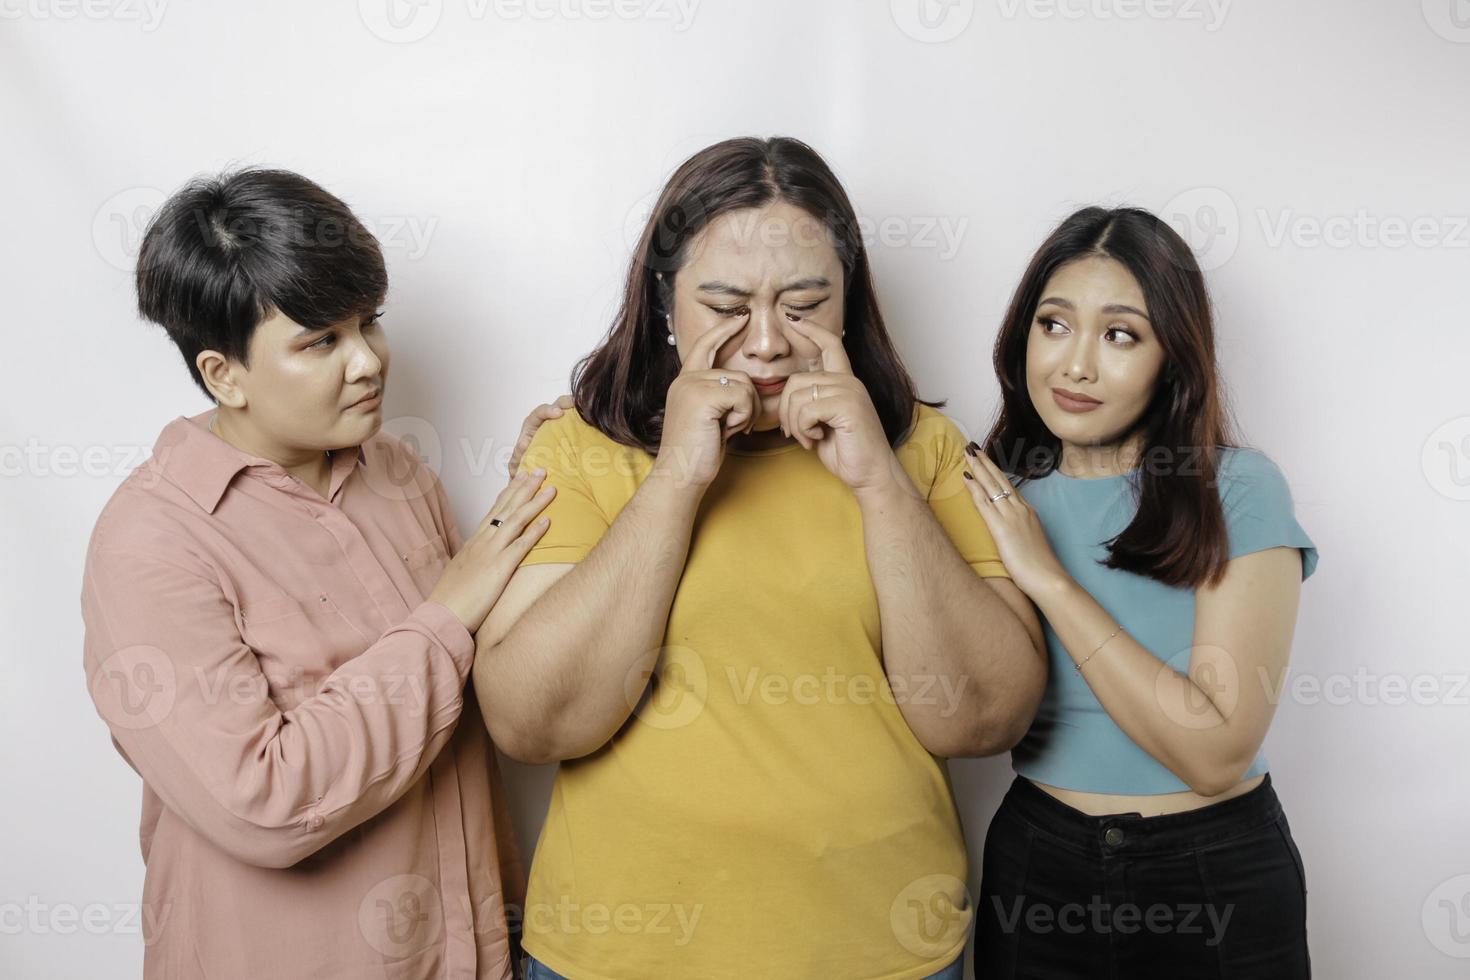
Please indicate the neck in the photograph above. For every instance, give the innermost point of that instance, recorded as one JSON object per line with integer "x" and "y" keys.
{"x": 761, "y": 439}
{"x": 311, "y": 466}
{"x": 1089, "y": 461}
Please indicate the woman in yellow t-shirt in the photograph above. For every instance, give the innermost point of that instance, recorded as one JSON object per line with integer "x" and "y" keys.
{"x": 764, "y": 612}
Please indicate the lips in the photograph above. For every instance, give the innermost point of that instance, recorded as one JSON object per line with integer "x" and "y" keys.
{"x": 1073, "y": 401}
{"x": 368, "y": 400}
{"x": 769, "y": 387}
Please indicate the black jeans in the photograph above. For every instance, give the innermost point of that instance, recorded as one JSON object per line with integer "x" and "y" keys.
{"x": 1209, "y": 894}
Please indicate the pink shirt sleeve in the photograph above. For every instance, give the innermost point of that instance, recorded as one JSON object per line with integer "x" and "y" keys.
{"x": 194, "y": 717}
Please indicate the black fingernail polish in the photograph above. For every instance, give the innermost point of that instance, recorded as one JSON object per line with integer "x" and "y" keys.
{"x": 972, "y": 449}
{"x": 968, "y": 476}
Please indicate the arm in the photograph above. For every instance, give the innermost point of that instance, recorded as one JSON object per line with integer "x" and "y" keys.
{"x": 940, "y": 619}
{"x": 189, "y": 707}
{"x": 555, "y": 656}
{"x": 1207, "y": 726}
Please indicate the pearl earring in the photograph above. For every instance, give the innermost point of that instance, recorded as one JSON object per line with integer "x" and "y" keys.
{"x": 671, "y": 340}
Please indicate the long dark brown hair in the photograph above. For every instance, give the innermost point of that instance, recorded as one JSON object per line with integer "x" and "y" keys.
{"x": 621, "y": 386}
{"x": 1178, "y": 535}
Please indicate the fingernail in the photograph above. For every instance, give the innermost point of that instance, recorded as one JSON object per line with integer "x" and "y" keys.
{"x": 968, "y": 476}
{"x": 972, "y": 449}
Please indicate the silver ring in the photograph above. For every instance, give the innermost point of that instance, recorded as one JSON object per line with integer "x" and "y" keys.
{"x": 1003, "y": 493}
{"x": 814, "y": 392}
{"x": 724, "y": 380}
{"x": 494, "y": 522}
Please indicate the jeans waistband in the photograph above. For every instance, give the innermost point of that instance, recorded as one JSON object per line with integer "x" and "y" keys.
{"x": 1133, "y": 833}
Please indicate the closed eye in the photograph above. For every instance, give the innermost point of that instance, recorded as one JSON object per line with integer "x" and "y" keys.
{"x": 795, "y": 311}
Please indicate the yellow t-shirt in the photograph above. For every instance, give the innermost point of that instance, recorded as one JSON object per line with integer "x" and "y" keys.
{"x": 766, "y": 812}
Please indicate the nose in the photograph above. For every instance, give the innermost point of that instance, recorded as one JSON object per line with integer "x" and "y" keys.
{"x": 1081, "y": 357}
{"x": 765, "y": 339}
{"x": 362, "y": 360}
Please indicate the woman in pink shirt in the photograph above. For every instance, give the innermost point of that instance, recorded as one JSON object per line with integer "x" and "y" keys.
{"x": 279, "y": 617}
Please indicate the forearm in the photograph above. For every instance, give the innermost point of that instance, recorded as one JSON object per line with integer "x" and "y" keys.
{"x": 568, "y": 673}
{"x": 1167, "y": 714}
{"x": 946, "y": 632}
{"x": 268, "y": 786}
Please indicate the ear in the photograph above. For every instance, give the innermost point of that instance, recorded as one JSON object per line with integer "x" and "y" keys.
{"x": 219, "y": 376}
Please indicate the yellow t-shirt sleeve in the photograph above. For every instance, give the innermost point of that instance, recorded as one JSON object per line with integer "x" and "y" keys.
{"x": 577, "y": 520}
{"x": 942, "y": 446}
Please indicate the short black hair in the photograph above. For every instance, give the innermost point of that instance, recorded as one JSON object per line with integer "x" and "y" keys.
{"x": 228, "y": 251}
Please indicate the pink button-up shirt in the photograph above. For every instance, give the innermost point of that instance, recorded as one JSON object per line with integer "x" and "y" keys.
{"x": 320, "y": 796}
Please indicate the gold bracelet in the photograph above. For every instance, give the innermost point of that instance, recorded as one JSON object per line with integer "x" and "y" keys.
{"x": 1078, "y": 665}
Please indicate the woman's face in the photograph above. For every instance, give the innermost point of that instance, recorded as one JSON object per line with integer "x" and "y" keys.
{"x": 1091, "y": 337}
{"x": 304, "y": 388}
{"x": 766, "y": 267}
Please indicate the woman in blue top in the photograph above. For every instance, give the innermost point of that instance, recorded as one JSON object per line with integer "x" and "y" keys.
{"x": 1141, "y": 836}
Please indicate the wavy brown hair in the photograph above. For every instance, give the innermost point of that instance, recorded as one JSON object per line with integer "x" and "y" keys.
{"x": 1178, "y": 535}
{"x": 620, "y": 387}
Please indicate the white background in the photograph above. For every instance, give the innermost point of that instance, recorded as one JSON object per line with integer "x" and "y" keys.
{"x": 1315, "y": 152}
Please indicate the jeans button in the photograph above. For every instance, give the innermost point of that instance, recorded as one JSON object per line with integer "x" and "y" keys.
{"x": 1113, "y": 837}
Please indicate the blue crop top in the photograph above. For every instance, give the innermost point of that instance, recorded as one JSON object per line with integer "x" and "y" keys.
{"x": 1074, "y": 743}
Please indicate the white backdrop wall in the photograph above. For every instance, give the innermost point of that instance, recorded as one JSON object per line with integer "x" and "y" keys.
{"x": 505, "y": 152}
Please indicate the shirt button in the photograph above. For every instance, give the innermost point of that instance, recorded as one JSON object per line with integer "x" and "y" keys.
{"x": 322, "y": 598}
{"x": 1113, "y": 837}
{"x": 314, "y": 822}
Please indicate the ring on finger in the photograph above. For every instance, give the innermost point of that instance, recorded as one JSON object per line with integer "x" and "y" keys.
{"x": 998, "y": 496}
